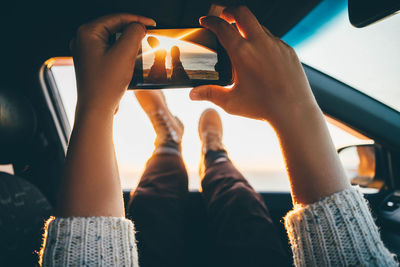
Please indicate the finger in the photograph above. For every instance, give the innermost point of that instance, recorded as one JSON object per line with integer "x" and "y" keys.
{"x": 246, "y": 22}
{"x": 129, "y": 42}
{"x": 228, "y": 36}
{"x": 274, "y": 37}
{"x": 104, "y": 27}
{"x": 214, "y": 93}
{"x": 116, "y": 22}
{"x": 265, "y": 29}
{"x": 285, "y": 44}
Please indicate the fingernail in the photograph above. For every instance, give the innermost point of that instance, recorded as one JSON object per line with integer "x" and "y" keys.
{"x": 194, "y": 95}
{"x": 154, "y": 24}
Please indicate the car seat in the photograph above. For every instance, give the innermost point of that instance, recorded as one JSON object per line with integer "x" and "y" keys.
{"x": 23, "y": 208}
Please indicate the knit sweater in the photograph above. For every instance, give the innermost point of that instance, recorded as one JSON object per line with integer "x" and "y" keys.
{"x": 338, "y": 230}
{"x": 92, "y": 241}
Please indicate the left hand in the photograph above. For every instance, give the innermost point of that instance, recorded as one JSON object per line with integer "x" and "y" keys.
{"x": 103, "y": 72}
{"x": 269, "y": 80}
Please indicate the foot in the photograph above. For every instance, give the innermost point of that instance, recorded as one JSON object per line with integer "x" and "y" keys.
{"x": 153, "y": 42}
{"x": 168, "y": 127}
{"x": 210, "y": 131}
{"x": 175, "y": 55}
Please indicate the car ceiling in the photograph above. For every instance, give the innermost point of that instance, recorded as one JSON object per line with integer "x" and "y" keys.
{"x": 34, "y": 31}
{"x": 278, "y": 15}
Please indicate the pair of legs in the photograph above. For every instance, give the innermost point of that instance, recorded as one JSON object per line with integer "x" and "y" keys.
{"x": 158, "y": 71}
{"x": 241, "y": 230}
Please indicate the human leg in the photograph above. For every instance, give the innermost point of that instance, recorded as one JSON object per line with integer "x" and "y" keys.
{"x": 239, "y": 222}
{"x": 156, "y": 206}
{"x": 178, "y": 71}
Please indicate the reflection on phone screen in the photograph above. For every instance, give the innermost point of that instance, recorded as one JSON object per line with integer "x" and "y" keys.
{"x": 179, "y": 55}
{"x": 185, "y": 56}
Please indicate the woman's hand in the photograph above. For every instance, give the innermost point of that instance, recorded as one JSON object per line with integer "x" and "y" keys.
{"x": 90, "y": 184}
{"x": 269, "y": 81}
{"x": 270, "y": 84}
{"x": 103, "y": 72}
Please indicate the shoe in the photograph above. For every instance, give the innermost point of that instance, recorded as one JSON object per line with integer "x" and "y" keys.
{"x": 168, "y": 127}
{"x": 210, "y": 131}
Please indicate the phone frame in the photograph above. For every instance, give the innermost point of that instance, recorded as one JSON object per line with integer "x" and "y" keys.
{"x": 221, "y": 54}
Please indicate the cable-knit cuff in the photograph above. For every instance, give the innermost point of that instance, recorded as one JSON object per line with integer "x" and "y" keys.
{"x": 338, "y": 230}
{"x": 89, "y": 241}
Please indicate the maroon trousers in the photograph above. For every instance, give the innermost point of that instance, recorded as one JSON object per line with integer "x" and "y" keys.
{"x": 241, "y": 230}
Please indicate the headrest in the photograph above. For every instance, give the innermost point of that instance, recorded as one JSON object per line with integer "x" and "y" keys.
{"x": 17, "y": 125}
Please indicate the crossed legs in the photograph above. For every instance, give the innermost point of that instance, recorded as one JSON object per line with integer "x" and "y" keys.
{"x": 238, "y": 221}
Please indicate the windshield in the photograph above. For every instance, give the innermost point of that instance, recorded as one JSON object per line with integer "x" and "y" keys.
{"x": 252, "y": 144}
{"x": 367, "y": 59}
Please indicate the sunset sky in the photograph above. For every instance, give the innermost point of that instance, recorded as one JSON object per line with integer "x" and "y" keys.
{"x": 167, "y": 42}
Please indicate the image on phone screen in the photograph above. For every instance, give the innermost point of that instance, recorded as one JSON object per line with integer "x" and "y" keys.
{"x": 180, "y": 57}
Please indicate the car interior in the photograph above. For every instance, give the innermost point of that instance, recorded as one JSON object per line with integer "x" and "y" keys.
{"x": 35, "y": 125}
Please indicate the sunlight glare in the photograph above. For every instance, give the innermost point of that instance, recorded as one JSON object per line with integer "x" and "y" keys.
{"x": 167, "y": 42}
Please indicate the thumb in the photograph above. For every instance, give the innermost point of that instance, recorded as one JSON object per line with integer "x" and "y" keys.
{"x": 213, "y": 93}
{"x": 129, "y": 42}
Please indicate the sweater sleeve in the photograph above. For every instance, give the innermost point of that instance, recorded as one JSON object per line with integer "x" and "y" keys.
{"x": 89, "y": 241}
{"x": 338, "y": 230}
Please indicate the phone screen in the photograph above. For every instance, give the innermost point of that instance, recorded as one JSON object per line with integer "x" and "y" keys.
{"x": 180, "y": 57}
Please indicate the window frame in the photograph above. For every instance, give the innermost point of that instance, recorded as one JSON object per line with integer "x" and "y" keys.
{"x": 321, "y": 85}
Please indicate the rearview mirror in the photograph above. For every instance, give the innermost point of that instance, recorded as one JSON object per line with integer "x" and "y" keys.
{"x": 365, "y": 12}
{"x": 359, "y": 162}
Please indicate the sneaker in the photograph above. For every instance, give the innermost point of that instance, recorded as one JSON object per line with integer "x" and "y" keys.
{"x": 210, "y": 131}
{"x": 168, "y": 127}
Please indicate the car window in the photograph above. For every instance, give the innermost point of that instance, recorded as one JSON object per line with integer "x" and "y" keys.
{"x": 367, "y": 59}
{"x": 251, "y": 144}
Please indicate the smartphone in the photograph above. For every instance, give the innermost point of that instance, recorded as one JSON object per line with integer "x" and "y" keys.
{"x": 180, "y": 57}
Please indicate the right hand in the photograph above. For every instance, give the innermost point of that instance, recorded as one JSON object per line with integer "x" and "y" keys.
{"x": 103, "y": 72}
{"x": 269, "y": 80}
